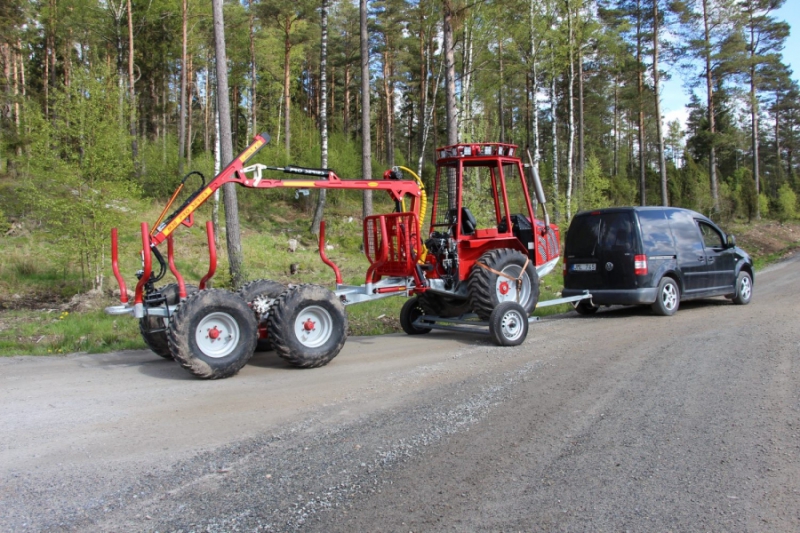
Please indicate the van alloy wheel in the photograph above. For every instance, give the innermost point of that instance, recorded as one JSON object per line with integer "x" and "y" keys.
{"x": 668, "y": 297}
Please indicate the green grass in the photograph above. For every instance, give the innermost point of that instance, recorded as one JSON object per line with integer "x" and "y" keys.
{"x": 53, "y": 332}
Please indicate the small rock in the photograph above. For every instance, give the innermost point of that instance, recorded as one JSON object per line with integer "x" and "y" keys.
{"x": 293, "y": 244}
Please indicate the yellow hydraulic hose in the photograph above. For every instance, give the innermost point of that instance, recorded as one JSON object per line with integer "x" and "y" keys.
{"x": 423, "y": 205}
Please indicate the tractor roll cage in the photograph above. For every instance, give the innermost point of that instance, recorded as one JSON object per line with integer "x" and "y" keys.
{"x": 236, "y": 172}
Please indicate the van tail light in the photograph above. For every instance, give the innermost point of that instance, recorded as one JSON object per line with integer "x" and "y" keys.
{"x": 564, "y": 269}
{"x": 640, "y": 265}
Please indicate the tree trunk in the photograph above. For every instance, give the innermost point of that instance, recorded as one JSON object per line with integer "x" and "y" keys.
{"x": 554, "y": 125}
{"x": 346, "y": 106}
{"x": 388, "y": 93}
{"x": 450, "y": 75}
{"x": 501, "y": 110}
{"x": 189, "y": 94}
{"x": 616, "y": 126}
{"x": 712, "y": 156}
{"x": 581, "y": 123}
{"x": 640, "y": 93}
{"x": 366, "y": 141}
{"x": 232, "y": 233}
{"x": 182, "y": 105}
{"x": 323, "y": 114}
{"x": 207, "y": 110}
{"x": 132, "y": 89}
{"x": 571, "y": 103}
{"x": 662, "y": 164}
{"x": 253, "y": 80}
{"x": 287, "y": 50}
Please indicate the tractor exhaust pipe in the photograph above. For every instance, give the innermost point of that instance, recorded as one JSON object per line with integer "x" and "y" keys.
{"x": 537, "y": 184}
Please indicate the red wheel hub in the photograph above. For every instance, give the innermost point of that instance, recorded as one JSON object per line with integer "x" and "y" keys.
{"x": 308, "y": 325}
{"x": 504, "y": 288}
{"x": 214, "y": 333}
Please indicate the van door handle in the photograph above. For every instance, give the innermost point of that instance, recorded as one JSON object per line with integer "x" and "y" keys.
{"x": 710, "y": 260}
{"x": 701, "y": 258}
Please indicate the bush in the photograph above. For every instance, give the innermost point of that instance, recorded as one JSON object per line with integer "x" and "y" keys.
{"x": 763, "y": 205}
{"x": 787, "y": 203}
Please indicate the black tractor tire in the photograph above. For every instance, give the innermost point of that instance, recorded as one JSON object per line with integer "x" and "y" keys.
{"x": 154, "y": 328}
{"x": 415, "y": 307}
{"x": 202, "y": 353}
{"x": 744, "y": 289}
{"x": 586, "y": 308}
{"x": 260, "y": 295}
{"x": 487, "y": 289}
{"x": 508, "y": 324}
{"x": 668, "y": 297}
{"x": 307, "y": 325}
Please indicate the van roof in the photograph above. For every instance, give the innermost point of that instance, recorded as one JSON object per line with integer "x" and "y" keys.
{"x": 627, "y": 209}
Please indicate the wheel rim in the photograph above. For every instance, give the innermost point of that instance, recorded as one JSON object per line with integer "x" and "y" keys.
{"x": 313, "y": 326}
{"x": 217, "y": 335}
{"x": 669, "y": 296}
{"x": 511, "y": 325}
{"x": 506, "y": 287}
{"x": 745, "y": 288}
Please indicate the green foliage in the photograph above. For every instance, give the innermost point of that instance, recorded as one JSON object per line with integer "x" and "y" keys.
{"x": 78, "y": 170}
{"x": 748, "y": 197}
{"x": 763, "y": 205}
{"x": 596, "y": 187}
{"x": 786, "y": 203}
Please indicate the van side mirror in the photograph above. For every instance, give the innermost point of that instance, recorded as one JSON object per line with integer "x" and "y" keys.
{"x": 731, "y": 241}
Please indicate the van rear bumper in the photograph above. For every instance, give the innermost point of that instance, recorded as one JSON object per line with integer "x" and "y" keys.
{"x": 617, "y": 297}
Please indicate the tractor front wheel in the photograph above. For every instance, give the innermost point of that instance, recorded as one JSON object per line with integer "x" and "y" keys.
{"x": 260, "y": 295}
{"x": 508, "y": 324}
{"x": 307, "y": 325}
{"x": 502, "y": 276}
{"x": 154, "y": 328}
{"x": 213, "y": 334}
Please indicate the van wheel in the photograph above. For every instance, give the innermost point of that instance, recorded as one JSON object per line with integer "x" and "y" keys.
{"x": 668, "y": 298}
{"x": 744, "y": 289}
{"x": 585, "y": 307}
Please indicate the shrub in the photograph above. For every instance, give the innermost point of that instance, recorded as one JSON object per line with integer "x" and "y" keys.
{"x": 787, "y": 203}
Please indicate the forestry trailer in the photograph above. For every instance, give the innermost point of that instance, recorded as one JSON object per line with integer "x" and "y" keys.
{"x": 480, "y": 260}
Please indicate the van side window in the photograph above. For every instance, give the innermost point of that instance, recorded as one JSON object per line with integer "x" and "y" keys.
{"x": 711, "y": 237}
{"x": 656, "y": 235}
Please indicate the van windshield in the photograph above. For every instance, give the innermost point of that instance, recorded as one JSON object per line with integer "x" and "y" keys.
{"x": 607, "y": 231}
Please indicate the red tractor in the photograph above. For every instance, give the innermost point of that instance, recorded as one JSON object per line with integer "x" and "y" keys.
{"x": 481, "y": 260}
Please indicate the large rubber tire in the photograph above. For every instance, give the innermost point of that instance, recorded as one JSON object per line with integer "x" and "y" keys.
{"x": 307, "y": 326}
{"x": 487, "y": 290}
{"x": 508, "y": 324}
{"x": 586, "y": 308}
{"x": 668, "y": 297}
{"x": 260, "y": 295}
{"x": 414, "y": 308}
{"x": 744, "y": 289}
{"x": 149, "y": 326}
{"x": 207, "y": 355}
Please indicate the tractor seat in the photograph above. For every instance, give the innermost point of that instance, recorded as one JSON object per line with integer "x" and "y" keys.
{"x": 468, "y": 222}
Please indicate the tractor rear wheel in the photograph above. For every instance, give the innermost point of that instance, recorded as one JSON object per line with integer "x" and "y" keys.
{"x": 502, "y": 276}
{"x": 154, "y": 328}
{"x": 260, "y": 295}
{"x": 213, "y": 334}
{"x": 307, "y": 325}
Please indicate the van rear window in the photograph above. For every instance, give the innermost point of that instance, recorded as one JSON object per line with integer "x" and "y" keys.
{"x": 607, "y": 231}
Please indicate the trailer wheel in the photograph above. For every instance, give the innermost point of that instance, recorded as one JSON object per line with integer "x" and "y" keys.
{"x": 414, "y": 308}
{"x": 508, "y": 324}
{"x": 154, "y": 328}
{"x": 260, "y": 295}
{"x": 307, "y": 325}
{"x": 487, "y": 289}
{"x": 213, "y": 334}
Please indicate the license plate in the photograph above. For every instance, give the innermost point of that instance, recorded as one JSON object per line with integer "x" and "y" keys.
{"x": 583, "y": 267}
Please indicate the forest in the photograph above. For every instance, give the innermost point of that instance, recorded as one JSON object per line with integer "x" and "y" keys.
{"x": 105, "y": 105}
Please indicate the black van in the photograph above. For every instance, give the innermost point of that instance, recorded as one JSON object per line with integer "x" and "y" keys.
{"x": 656, "y": 256}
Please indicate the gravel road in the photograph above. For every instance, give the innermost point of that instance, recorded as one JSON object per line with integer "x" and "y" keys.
{"x": 623, "y": 421}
